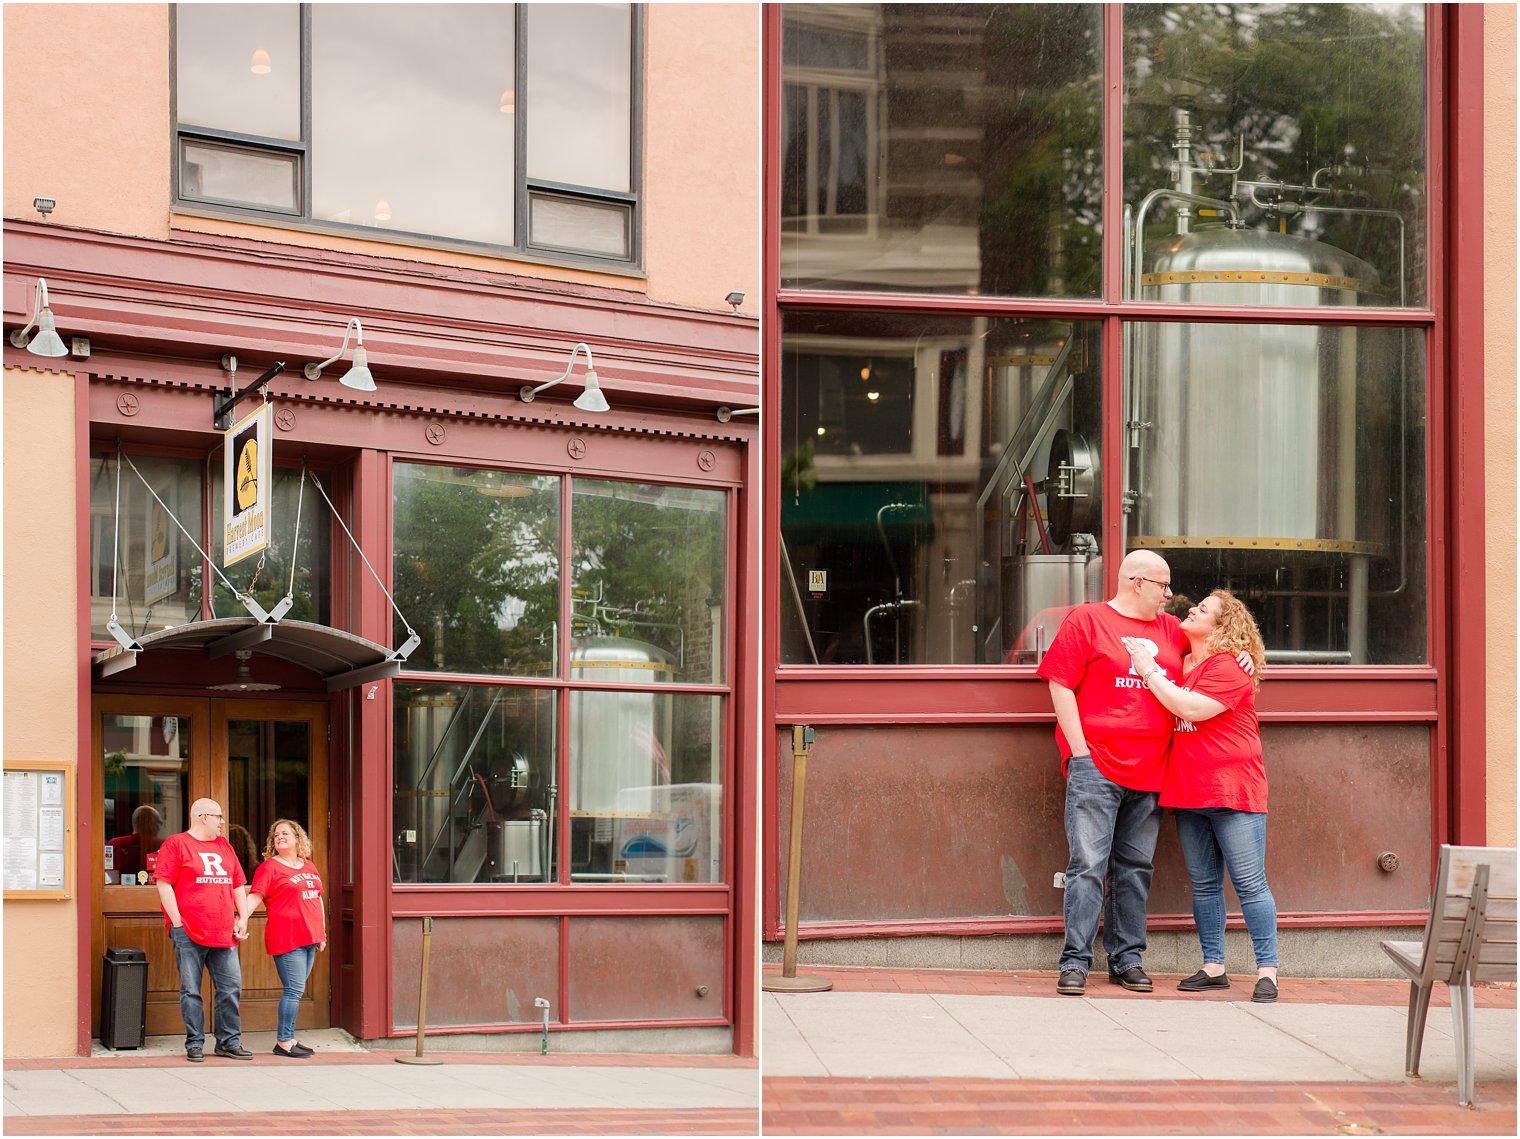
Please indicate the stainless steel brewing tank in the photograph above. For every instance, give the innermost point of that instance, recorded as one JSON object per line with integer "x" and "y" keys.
{"x": 1250, "y": 436}
{"x": 618, "y": 742}
{"x": 422, "y": 781}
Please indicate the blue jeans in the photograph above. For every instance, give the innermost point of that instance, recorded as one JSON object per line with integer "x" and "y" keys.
{"x": 226, "y": 979}
{"x": 1111, "y": 832}
{"x": 293, "y": 967}
{"x": 1215, "y": 839}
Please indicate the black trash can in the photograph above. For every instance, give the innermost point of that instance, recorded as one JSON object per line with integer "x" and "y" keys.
{"x": 124, "y": 999}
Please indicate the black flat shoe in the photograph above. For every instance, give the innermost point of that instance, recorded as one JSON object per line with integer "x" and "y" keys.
{"x": 1201, "y": 982}
{"x": 302, "y": 1051}
{"x": 288, "y": 1053}
{"x": 1265, "y": 991}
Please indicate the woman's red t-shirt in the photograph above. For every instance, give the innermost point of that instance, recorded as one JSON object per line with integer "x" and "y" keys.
{"x": 294, "y": 901}
{"x": 1217, "y": 762}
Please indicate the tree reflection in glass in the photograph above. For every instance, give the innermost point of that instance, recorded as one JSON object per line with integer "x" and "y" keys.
{"x": 476, "y": 568}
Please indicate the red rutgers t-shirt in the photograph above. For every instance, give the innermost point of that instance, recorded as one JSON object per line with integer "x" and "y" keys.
{"x": 294, "y": 901}
{"x": 1126, "y": 727}
{"x": 203, "y": 875}
{"x": 1217, "y": 762}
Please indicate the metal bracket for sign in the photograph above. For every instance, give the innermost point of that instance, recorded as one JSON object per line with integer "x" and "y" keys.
{"x": 223, "y": 402}
{"x": 413, "y": 638}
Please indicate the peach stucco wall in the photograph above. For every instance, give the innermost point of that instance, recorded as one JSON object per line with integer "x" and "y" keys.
{"x": 702, "y": 154}
{"x": 40, "y": 642}
{"x": 1499, "y": 322}
{"x": 88, "y": 124}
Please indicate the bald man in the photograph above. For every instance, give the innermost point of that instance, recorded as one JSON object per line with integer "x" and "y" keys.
{"x": 203, "y": 891}
{"x": 1113, "y": 737}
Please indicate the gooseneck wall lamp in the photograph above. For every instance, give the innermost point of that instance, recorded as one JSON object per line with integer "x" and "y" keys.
{"x": 46, "y": 342}
{"x": 591, "y": 399}
{"x": 359, "y": 377}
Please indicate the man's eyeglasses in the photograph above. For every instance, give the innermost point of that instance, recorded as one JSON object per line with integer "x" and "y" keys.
{"x": 1166, "y": 586}
{"x": 207, "y": 815}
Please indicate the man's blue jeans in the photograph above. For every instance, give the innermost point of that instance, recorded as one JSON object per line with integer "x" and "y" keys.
{"x": 293, "y": 967}
{"x": 1111, "y": 832}
{"x": 1215, "y": 839}
{"x": 226, "y": 978}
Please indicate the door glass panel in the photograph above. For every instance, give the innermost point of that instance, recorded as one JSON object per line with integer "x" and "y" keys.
{"x": 475, "y": 783}
{"x": 646, "y": 792}
{"x": 268, "y": 778}
{"x": 146, "y": 788}
{"x": 648, "y": 595}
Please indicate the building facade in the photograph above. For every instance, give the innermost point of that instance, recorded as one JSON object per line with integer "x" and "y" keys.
{"x": 1050, "y": 283}
{"x": 496, "y": 655}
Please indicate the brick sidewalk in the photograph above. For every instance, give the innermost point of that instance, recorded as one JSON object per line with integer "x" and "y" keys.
{"x": 544, "y": 1121}
{"x": 967, "y": 982}
{"x": 817, "y": 1106}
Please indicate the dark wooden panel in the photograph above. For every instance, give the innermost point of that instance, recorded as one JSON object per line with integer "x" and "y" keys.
{"x": 950, "y": 822}
{"x": 646, "y": 968}
{"x": 481, "y": 970}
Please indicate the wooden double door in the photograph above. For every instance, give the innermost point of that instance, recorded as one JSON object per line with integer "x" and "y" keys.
{"x": 261, "y": 760}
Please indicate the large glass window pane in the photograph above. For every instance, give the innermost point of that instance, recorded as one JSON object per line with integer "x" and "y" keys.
{"x": 412, "y": 123}
{"x": 947, "y": 148}
{"x": 940, "y": 486}
{"x": 153, "y": 573}
{"x": 580, "y": 84}
{"x": 1303, "y": 125}
{"x": 475, "y": 785}
{"x": 267, "y": 576}
{"x": 476, "y": 568}
{"x": 646, "y": 795}
{"x": 648, "y": 596}
{"x": 1287, "y": 465}
{"x": 238, "y": 68}
{"x": 146, "y": 760}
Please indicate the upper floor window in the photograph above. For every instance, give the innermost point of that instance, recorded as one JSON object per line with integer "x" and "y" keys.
{"x": 494, "y": 124}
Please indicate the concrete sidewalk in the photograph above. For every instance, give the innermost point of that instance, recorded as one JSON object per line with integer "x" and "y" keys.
{"x": 944, "y": 1051}
{"x": 345, "y": 1089}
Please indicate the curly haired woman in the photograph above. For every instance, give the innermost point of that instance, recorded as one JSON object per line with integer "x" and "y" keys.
{"x": 296, "y": 931}
{"x": 1216, "y": 783}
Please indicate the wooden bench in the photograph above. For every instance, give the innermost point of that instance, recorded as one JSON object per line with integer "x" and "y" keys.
{"x": 1470, "y": 937}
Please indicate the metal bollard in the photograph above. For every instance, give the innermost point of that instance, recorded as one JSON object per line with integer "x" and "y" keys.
{"x": 427, "y": 937}
{"x": 789, "y": 982}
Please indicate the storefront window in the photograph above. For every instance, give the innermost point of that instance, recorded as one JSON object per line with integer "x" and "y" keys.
{"x": 1279, "y": 144}
{"x": 475, "y": 784}
{"x": 1287, "y": 465}
{"x": 478, "y": 794}
{"x": 646, "y": 792}
{"x": 146, "y": 790}
{"x": 476, "y": 569}
{"x": 941, "y": 489}
{"x": 942, "y": 148}
{"x": 647, "y": 596}
{"x": 267, "y": 576}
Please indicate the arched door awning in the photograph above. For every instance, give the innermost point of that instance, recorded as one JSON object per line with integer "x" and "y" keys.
{"x": 341, "y": 659}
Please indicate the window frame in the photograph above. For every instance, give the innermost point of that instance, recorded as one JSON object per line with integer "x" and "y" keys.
{"x": 523, "y": 191}
{"x": 563, "y": 685}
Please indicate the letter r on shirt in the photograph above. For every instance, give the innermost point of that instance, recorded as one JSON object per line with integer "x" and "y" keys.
{"x": 212, "y": 863}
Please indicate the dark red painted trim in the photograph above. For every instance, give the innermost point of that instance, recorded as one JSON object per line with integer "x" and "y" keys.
{"x": 742, "y": 865}
{"x": 550, "y": 900}
{"x": 1467, "y": 523}
{"x": 985, "y": 927}
{"x": 1113, "y": 152}
{"x": 555, "y": 1027}
{"x": 370, "y": 521}
{"x": 84, "y": 773}
{"x": 770, "y": 356}
{"x": 264, "y": 301}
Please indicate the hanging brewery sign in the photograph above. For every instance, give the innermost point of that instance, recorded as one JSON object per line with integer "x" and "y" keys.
{"x": 246, "y": 481}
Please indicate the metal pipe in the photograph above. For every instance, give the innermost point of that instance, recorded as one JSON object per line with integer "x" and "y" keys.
{"x": 1356, "y": 618}
{"x": 885, "y": 607}
{"x": 1308, "y": 656}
